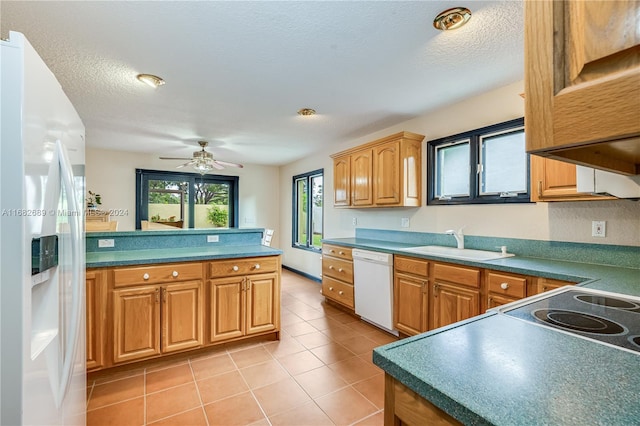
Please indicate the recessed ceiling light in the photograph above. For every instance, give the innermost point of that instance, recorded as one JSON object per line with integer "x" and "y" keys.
{"x": 307, "y": 111}
{"x": 452, "y": 18}
{"x": 150, "y": 80}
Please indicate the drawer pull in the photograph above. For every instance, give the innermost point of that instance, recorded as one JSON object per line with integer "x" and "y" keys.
{"x": 175, "y": 274}
{"x": 504, "y": 286}
{"x": 341, "y": 292}
{"x": 340, "y": 270}
{"x": 332, "y": 251}
{"x": 235, "y": 268}
{"x": 330, "y": 266}
{"x": 330, "y": 288}
{"x": 257, "y": 266}
{"x": 145, "y": 277}
{"x": 341, "y": 253}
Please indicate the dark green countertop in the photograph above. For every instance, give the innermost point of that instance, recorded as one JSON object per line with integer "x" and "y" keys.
{"x": 495, "y": 369}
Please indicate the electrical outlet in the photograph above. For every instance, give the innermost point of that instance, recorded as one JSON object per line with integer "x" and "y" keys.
{"x": 598, "y": 228}
{"x": 354, "y": 221}
{"x": 404, "y": 222}
{"x": 213, "y": 238}
{"x": 106, "y": 243}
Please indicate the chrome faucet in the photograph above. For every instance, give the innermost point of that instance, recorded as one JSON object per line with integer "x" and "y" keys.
{"x": 459, "y": 236}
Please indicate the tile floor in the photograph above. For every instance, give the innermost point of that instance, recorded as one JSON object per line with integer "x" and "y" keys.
{"x": 319, "y": 373}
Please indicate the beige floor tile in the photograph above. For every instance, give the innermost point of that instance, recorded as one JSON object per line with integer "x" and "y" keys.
{"x": 221, "y": 386}
{"x": 168, "y": 377}
{"x": 237, "y": 410}
{"x": 314, "y": 339}
{"x": 359, "y": 344}
{"x": 172, "y": 401}
{"x": 375, "y": 420}
{"x": 340, "y": 333}
{"x": 332, "y": 353}
{"x": 300, "y": 362}
{"x": 354, "y": 370}
{"x": 288, "y": 318}
{"x": 207, "y": 367}
{"x": 101, "y": 377}
{"x": 308, "y": 414}
{"x": 345, "y": 406}
{"x": 381, "y": 337}
{"x": 263, "y": 374}
{"x": 116, "y": 391}
{"x": 247, "y": 357}
{"x": 372, "y": 389}
{"x": 125, "y": 413}
{"x": 299, "y": 328}
{"x": 324, "y": 323}
{"x": 310, "y": 314}
{"x": 281, "y": 396}
{"x": 284, "y": 347}
{"x": 320, "y": 381}
{"x": 195, "y": 417}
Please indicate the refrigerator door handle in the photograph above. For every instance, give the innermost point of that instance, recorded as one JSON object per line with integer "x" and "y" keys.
{"x": 75, "y": 227}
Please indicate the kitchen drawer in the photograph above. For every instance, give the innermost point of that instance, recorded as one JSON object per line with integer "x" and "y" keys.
{"x": 338, "y": 268}
{"x": 338, "y": 291}
{"x": 243, "y": 266}
{"x": 411, "y": 265}
{"x": 457, "y": 274}
{"x": 507, "y": 285}
{"x": 546, "y": 284}
{"x": 167, "y": 273}
{"x": 337, "y": 251}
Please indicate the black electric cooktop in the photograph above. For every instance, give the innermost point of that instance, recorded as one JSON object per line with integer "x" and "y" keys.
{"x": 608, "y": 318}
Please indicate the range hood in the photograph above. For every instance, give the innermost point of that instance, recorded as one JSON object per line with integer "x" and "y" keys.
{"x": 599, "y": 182}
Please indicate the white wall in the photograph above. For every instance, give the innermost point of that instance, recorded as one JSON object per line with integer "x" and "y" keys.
{"x": 112, "y": 174}
{"x": 561, "y": 221}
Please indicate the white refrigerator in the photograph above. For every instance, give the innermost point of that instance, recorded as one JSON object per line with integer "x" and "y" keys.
{"x": 42, "y": 294}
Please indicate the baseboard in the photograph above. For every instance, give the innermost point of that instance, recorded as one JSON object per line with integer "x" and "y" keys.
{"x": 304, "y": 274}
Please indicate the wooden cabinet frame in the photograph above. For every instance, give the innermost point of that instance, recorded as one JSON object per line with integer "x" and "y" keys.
{"x": 96, "y": 314}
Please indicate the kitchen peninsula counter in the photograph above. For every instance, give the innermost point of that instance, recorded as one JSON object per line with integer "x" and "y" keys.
{"x": 499, "y": 370}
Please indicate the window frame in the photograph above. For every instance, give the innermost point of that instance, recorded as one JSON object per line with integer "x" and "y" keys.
{"x": 475, "y": 142}
{"x": 294, "y": 218}
{"x": 142, "y": 192}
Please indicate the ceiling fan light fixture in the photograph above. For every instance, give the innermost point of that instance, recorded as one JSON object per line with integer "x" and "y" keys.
{"x": 452, "y": 19}
{"x": 306, "y": 111}
{"x": 150, "y": 80}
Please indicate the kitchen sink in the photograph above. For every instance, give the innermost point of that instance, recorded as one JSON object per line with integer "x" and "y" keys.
{"x": 456, "y": 253}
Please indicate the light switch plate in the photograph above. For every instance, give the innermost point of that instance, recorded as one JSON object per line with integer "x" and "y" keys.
{"x": 106, "y": 243}
{"x": 213, "y": 238}
{"x": 598, "y": 228}
{"x": 404, "y": 222}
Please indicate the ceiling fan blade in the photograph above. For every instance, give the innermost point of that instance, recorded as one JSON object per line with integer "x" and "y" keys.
{"x": 225, "y": 163}
{"x": 188, "y": 163}
{"x": 175, "y": 158}
{"x": 215, "y": 164}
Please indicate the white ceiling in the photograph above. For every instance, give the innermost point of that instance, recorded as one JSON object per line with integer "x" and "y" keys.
{"x": 237, "y": 71}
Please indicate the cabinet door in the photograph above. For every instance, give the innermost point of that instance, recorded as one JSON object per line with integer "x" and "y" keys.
{"x": 262, "y": 308}
{"x": 362, "y": 178}
{"x": 136, "y": 323}
{"x": 227, "y": 301}
{"x": 342, "y": 181}
{"x": 452, "y": 303}
{"x": 494, "y": 300}
{"x": 553, "y": 180}
{"x": 181, "y": 316}
{"x": 410, "y": 304}
{"x": 96, "y": 300}
{"x": 582, "y": 81}
{"x": 546, "y": 284}
{"x": 386, "y": 172}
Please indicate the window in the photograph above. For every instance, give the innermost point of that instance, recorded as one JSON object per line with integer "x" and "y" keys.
{"x": 186, "y": 200}
{"x": 487, "y": 165}
{"x": 307, "y": 210}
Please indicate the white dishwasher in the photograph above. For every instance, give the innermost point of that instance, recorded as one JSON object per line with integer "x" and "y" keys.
{"x": 373, "y": 287}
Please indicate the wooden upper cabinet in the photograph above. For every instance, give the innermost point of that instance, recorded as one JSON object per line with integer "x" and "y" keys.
{"x": 383, "y": 173}
{"x": 553, "y": 180}
{"x": 342, "y": 181}
{"x": 362, "y": 178}
{"x": 582, "y": 82}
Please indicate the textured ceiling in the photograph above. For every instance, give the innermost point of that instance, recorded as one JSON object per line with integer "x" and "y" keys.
{"x": 238, "y": 71}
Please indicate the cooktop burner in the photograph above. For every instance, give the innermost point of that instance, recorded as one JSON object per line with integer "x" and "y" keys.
{"x": 604, "y": 317}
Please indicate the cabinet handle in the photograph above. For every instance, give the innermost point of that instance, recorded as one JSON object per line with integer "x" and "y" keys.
{"x": 330, "y": 288}
{"x": 157, "y": 295}
{"x": 320, "y": 291}
{"x": 544, "y": 288}
{"x": 425, "y": 286}
{"x": 490, "y": 299}
{"x": 164, "y": 294}
{"x": 504, "y": 286}
{"x": 341, "y": 253}
{"x": 435, "y": 289}
{"x": 340, "y": 270}
{"x": 539, "y": 189}
{"x": 341, "y": 292}
{"x": 330, "y": 266}
{"x": 235, "y": 268}
{"x": 248, "y": 284}
{"x": 257, "y": 266}
{"x": 175, "y": 274}
{"x": 145, "y": 277}
{"x": 332, "y": 251}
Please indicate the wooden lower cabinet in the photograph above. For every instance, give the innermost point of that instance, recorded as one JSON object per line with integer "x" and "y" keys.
{"x": 410, "y": 295}
{"x": 96, "y": 315}
{"x": 456, "y": 294}
{"x": 546, "y": 284}
{"x": 151, "y": 320}
{"x": 402, "y": 406}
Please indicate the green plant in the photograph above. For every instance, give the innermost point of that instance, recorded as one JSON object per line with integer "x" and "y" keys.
{"x": 218, "y": 216}
{"x": 155, "y": 218}
{"x": 93, "y": 199}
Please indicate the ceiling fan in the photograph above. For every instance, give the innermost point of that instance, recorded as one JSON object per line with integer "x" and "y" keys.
{"x": 203, "y": 161}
